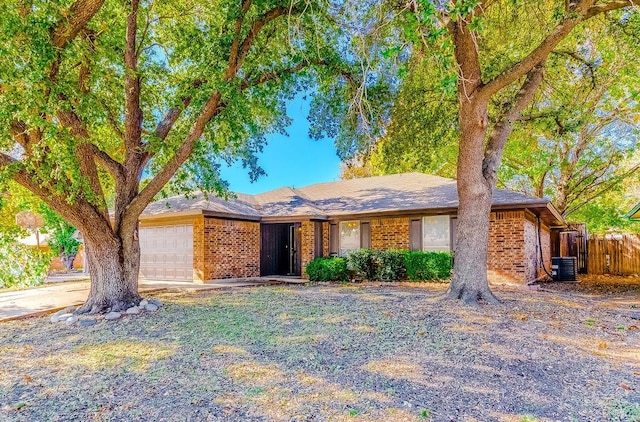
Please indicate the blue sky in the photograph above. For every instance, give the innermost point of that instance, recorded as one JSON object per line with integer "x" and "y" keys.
{"x": 293, "y": 160}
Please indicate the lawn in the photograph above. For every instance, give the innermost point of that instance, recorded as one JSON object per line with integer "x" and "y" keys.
{"x": 333, "y": 352}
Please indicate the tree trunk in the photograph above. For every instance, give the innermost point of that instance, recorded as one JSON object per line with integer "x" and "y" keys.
{"x": 113, "y": 267}
{"x": 469, "y": 282}
{"x": 67, "y": 260}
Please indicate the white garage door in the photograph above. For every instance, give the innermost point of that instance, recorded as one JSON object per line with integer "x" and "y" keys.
{"x": 166, "y": 253}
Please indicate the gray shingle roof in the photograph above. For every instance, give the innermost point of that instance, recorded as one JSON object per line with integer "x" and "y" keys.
{"x": 242, "y": 205}
{"x": 379, "y": 194}
{"x": 397, "y": 192}
{"x": 287, "y": 202}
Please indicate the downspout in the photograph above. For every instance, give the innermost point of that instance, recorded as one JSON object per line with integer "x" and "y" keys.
{"x": 541, "y": 255}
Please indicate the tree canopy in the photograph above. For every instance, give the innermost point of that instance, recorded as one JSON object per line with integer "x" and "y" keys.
{"x": 104, "y": 103}
{"x": 574, "y": 141}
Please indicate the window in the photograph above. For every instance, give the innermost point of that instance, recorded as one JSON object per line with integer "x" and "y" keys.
{"x": 436, "y": 234}
{"x": 349, "y": 236}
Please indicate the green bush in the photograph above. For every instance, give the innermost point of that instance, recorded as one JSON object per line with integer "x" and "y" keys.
{"x": 23, "y": 265}
{"x": 390, "y": 265}
{"x": 363, "y": 263}
{"x": 428, "y": 265}
{"x": 328, "y": 269}
{"x": 377, "y": 265}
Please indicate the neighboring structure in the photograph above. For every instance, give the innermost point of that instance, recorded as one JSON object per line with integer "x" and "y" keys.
{"x": 279, "y": 232}
{"x": 42, "y": 241}
{"x": 634, "y": 214}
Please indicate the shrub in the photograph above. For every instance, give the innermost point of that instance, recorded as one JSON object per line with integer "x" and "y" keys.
{"x": 428, "y": 265}
{"x": 377, "y": 265}
{"x": 23, "y": 265}
{"x": 390, "y": 265}
{"x": 327, "y": 269}
{"x": 363, "y": 263}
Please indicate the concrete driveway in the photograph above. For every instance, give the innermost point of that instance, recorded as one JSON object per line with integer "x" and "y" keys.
{"x": 15, "y": 304}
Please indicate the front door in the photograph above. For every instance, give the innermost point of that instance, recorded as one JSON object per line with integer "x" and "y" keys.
{"x": 279, "y": 249}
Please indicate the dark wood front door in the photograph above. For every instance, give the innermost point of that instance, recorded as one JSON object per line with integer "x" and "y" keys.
{"x": 279, "y": 249}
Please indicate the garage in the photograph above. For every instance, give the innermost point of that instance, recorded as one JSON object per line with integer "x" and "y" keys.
{"x": 166, "y": 252}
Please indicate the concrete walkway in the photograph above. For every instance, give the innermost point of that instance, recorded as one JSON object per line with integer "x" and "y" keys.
{"x": 16, "y": 304}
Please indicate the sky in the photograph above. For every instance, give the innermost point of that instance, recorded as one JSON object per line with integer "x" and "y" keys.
{"x": 294, "y": 160}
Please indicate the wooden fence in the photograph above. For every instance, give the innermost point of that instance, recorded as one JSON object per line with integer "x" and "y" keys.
{"x": 614, "y": 254}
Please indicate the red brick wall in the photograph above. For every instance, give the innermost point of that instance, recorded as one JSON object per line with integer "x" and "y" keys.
{"x": 506, "y": 253}
{"x": 325, "y": 239}
{"x": 390, "y": 233}
{"x": 307, "y": 238}
{"x": 532, "y": 253}
{"x": 230, "y": 248}
{"x": 513, "y": 253}
{"x": 225, "y": 248}
{"x": 198, "y": 250}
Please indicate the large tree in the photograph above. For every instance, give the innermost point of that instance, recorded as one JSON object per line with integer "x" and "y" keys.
{"x": 512, "y": 70}
{"x": 103, "y": 103}
{"x": 571, "y": 144}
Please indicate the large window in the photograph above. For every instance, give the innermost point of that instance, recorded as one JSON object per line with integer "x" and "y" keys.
{"x": 349, "y": 236}
{"x": 436, "y": 233}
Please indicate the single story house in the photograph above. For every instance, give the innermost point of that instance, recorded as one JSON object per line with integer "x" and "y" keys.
{"x": 279, "y": 232}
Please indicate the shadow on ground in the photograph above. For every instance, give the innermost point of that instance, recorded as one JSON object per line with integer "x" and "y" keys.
{"x": 329, "y": 352}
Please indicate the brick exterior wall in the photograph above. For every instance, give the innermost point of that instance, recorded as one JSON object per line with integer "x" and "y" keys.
{"x": 532, "y": 253}
{"x": 231, "y": 248}
{"x": 225, "y": 248}
{"x": 307, "y": 245}
{"x": 506, "y": 252}
{"x": 325, "y": 239}
{"x": 513, "y": 254}
{"x": 198, "y": 250}
{"x": 389, "y": 233}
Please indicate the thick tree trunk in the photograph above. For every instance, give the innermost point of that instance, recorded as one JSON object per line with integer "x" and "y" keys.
{"x": 475, "y": 194}
{"x": 113, "y": 267}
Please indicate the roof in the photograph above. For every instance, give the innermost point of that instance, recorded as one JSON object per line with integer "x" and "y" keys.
{"x": 406, "y": 192}
{"x": 32, "y": 240}
{"x": 199, "y": 203}
{"x": 634, "y": 214}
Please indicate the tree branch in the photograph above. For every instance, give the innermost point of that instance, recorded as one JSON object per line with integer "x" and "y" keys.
{"x": 504, "y": 126}
{"x": 580, "y": 11}
{"x": 70, "y": 120}
{"x": 255, "y": 30}
{"x": 54, "y": 201}
{"x": 235, "y": 46}
{"x": 171, "y": 116}
{"x": 78, "y": 15}
{"x": 521, "y": 68}
{"x": 608, "y": 7}
{"x": 277, "y": 74}
{"x": 133, "y": 115}
{"x": 601, "y": 190}
{"x": 114, "y": 168}
{"x": 112, "y": 120}
{"x": 210, "y": 109}
{"x": 466, "y": 53}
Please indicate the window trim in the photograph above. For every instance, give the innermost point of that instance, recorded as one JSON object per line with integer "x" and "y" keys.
{"x": 449, "y": 229}
{"x": 340, "y": 248}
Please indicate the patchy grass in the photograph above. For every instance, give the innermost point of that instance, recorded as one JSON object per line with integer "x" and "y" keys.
{"x": 332, "y": 352}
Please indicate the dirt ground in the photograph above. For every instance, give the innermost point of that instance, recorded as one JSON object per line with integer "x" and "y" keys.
{"x": 383, "y": 352}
